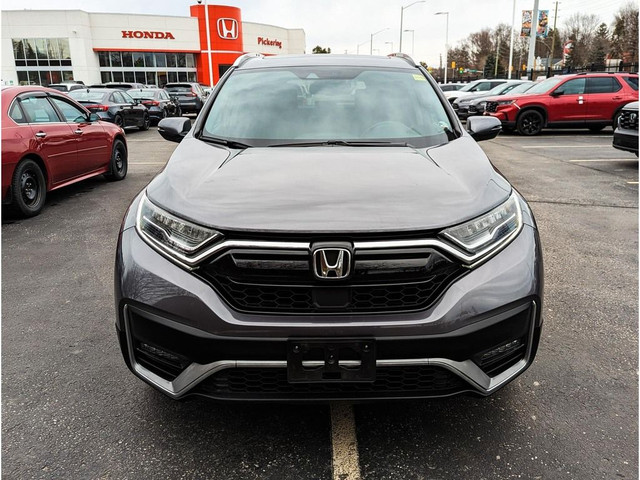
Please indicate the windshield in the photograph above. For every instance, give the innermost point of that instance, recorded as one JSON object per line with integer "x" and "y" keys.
{"x": 138, "y": 94}
{"x": 178, "y": 88}
{"x": 61, "y": 88}
{"x": 545, "y": 85}
{"x": 521, "y": 88}
{"x": 469, "y": 86}
{"x": 84, "y": 96}
{"x": 267, "y": 107}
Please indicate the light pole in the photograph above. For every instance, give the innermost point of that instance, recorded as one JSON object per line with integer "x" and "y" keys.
{"x": 446, "y": 45}
{"x": 206, "y": 21}
{"x": 379, "y": 31}
{"x": 413, "y": 37}
{"x": 389, "y": 43}
{"x": 402, "y": 9}
{"x": 358, "y": 48}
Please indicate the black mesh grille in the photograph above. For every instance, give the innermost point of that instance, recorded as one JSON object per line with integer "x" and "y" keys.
{"x": 491, "y": 107}
{"x": 283, "y": 282}
{"x": 390, "y": 382}
{"x": 627, "y": 122}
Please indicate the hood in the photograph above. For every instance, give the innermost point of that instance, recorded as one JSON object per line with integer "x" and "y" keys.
{"x": 328, "y": 188}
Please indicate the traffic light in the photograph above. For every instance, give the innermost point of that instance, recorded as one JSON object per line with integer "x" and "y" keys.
{"x": 453, "y": 64}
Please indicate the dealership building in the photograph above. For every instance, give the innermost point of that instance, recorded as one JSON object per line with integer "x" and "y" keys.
{"x": 52, "y": 46}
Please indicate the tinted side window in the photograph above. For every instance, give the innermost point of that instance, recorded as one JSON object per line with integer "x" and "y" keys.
{"x": 602, "y": 85}
{"x": 573, "y": 87}
{"x": 71, "y": 113}
{"x": 632, "y": 81}
{"x": 15, "y": 112}
{"x": 39, "y": 110}
{"x": 483, "y": 87}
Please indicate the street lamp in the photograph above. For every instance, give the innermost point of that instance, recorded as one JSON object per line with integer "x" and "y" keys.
{"x": 379, "y": 31}
{"x": 206, "y": 20}
{"x": 446, "y": 45}
{"x": 413, "y": 37}
{"x": 389, "y": 43}
{"x": 402, "y": 9}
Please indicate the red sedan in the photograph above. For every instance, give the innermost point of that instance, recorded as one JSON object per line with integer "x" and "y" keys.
{"x": 50, "y": 141}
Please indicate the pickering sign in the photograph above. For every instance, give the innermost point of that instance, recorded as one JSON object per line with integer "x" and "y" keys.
{"x": 269, "y": 42}
{"x": 145, "y": 34}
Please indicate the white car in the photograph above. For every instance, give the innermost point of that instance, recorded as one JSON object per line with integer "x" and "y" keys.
{"x": 473, "y": 87}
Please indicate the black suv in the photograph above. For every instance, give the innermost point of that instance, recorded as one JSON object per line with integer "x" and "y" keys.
{"x": 190, "y": 96}
{"x": 327, "y": 230}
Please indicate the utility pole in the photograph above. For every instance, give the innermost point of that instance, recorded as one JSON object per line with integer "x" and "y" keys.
{"x": 532, "y": 39}
{"x": 495, "y": 73}
{"x": 513, "y": 22}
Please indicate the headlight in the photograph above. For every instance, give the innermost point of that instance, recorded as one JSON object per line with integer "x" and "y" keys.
{"x": 506, "y": 102}
{"x": 489, "y": 231}
{"x": 173, "y": 235}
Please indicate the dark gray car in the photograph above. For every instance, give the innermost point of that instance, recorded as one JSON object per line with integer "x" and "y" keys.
{"x": 327, "y": 230}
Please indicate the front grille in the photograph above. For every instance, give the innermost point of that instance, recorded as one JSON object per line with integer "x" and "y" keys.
{"x": 282, "y": 282}
{"x": 491, "y": 107}
{"x": 390, "y": 382}
{"x": 629, "y": 120}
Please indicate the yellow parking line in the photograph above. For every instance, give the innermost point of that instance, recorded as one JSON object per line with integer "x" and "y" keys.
{"x": 346, "y": 465}
{"x": 566, "y": 146}
{"x": 605, "y": 160}
{"x": 632, "y": 183}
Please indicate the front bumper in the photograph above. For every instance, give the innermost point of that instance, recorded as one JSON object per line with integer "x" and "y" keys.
{"x": 626, "y": 139}
{"x": 180, "y": 336}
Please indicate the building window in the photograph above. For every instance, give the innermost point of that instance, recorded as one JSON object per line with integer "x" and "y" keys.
{"x": 157, "y": 68}
{"x": 41, "y": 61}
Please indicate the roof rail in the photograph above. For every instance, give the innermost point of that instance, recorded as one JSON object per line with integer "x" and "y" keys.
{"x": 242, "y": 59}
{"x": 404, "y": 57}
{"x": 600, "y": 73}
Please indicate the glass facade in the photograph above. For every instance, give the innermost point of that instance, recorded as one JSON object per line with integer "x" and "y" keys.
{"x": 41, "y": 61}
{"x": 151, "y": 68}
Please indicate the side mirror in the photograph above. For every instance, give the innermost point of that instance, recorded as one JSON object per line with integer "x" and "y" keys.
{"x": 174, "y": 129}
{"x": 557, "y": 92}
{"x": 483, "y": 128}
{"x": 93, "y": 117}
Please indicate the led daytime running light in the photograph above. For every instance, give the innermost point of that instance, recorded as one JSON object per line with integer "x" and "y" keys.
{"x": 488, "y": 230}
{"x": 173, "y": 234}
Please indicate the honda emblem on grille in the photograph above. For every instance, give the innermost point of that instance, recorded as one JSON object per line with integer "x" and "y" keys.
{"x": 332, "y": 263}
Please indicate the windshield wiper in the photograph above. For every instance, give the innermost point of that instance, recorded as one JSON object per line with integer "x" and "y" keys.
{"x": 345, "y": 143}
{"x": 224, "y": 141}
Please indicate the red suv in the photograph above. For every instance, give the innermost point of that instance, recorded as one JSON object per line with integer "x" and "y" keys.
{"x": 584, "y": 100}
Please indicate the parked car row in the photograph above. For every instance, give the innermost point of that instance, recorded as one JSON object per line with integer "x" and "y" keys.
{"x": 463, "y": 104}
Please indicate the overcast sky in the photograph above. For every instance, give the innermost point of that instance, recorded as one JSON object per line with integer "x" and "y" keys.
{"x": 342, "y": 25}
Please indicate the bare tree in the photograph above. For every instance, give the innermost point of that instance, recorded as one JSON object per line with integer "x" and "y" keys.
{"x": 624, "y": 40}
{"x": 581, "y": 28}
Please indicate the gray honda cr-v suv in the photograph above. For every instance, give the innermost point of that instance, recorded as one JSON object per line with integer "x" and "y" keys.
{"x": 327, "y": 230}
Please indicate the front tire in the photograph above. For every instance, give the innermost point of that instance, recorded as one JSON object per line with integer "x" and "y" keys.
{"x": 530, "y": 123}
{"x": 118, "y": 121}
{"x": 119, "y": 163}
{"x": 29, "y": 188}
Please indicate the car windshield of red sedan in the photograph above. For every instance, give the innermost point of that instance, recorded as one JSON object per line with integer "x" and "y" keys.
{"x": 86, "y": 96}
{"x": 271, "y": 107}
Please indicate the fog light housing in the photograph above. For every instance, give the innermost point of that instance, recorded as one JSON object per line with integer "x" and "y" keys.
{"x": 499, "y": 352}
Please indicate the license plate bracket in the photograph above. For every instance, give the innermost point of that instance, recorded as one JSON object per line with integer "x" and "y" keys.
{"x": 333, "y": 361}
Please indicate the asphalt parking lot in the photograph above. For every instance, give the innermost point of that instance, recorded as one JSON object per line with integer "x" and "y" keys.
{"x": 72, "y": 410}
